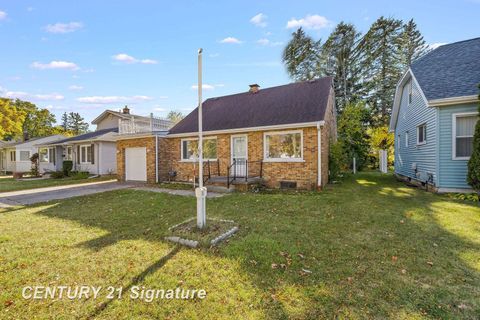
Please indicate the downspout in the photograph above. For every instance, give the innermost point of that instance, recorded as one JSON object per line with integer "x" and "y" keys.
{"x": 98, "y": 157}
{"x": 319, "y": 155}
{"x": 156, "y": 158}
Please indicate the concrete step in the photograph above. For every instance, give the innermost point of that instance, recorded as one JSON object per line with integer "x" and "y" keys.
{"x": 220, "y": 189}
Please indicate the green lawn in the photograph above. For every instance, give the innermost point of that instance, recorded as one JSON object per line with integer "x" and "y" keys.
{"x": 367, "y": 248}
{"x": 10, "y": 184}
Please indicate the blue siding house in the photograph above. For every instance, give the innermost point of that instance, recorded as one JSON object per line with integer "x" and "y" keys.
{"x": 434, "y": 115}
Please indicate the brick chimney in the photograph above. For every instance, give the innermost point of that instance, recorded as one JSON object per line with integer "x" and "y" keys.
{"x": 254, "y": 88}
{"x": 126, "y": 110}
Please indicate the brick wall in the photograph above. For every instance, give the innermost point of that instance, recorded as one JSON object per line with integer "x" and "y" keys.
{"x": 304, "y": 173}
{"x": 149, "y": 143}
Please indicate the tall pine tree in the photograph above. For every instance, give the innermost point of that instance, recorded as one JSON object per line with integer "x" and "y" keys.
{"x": 340, "y": 58}
{"x": 301, "y": 56}
{"x": 382, "y": 65}
{"x": 412, "y": 44}
{"x": 77, "y": 124}
{"x": 65, "y": 121}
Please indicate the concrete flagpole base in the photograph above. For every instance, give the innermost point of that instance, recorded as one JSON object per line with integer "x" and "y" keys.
{"x": 201, "y": 194}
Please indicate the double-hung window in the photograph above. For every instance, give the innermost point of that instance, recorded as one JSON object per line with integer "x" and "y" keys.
{"x": 86, "y": 154}
{"x": 189, "y": 149}
{"x": 422, "y": 134}
{"x": 283, "y": 146}
{"x": 13, "y": 156}
{"x": 68, "y": 153}
{"x": 463, "y": 130}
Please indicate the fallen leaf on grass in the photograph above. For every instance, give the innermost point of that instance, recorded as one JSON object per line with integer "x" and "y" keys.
{"x": 394, "y": 259}
{"x": 253, "y": 262}
{"x": 403, "y": 271}
{"x": 350, "y": 279}
{"x": 430, "y": 263}
{"x": 8, "y": 303}
{"x": 300, "y": 255}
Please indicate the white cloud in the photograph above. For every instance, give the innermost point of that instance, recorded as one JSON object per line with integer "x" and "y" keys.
{"x": 75, "y": 88}
{"x": 204, "y": 86}
{"x": 266, "y": 42}
{"x": 64, "y": 27}
{"x": 123, "y": 57}
{"x": 214, "y": 55}
{"x": 160, "y": 109}
{"x": 259, "y": 20}
{"x": 230, "y": 40}
{"x": 113, "y": 99}
{"x": 314, "y": 22}
{"x": 55, "y": 65}
{"x": 52, "y": 107}
{"x": 433, "y": 46}
{"x": 30, "y": 9}
{"x": 38, "y": 97}
{"x": 3, "y": 15}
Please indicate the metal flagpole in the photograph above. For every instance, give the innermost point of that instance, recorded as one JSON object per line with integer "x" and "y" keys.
{"x": 201, "y": 191}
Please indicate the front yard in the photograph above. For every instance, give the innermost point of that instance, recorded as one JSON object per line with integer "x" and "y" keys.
{"x": 10, "y": 184}
{"x": 367, "y": 248}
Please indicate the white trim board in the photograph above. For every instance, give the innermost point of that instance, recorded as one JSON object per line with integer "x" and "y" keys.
{"x": 249, "y": 129}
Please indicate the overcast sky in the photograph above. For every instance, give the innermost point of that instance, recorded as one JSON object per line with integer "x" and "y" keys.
{"x": 87, "y": 56}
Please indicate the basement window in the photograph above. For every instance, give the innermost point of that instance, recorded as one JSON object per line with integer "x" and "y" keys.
{"x": 288, "y": 185}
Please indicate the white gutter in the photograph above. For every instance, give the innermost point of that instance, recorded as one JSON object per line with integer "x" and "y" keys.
{"x": 319, "y": 154}
{"x": 248, "y": 129}
{"x": 454, "y": 100}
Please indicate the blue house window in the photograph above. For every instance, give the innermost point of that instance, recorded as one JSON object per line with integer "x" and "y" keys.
{"x": 422, "y": 134}
{"x": 463, "y": 129}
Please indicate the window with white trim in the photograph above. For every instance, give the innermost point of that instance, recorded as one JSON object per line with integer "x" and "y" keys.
{"x": 86, "y": 154}
{"x": 24, "y": 155}
{"x": 283, "y": 146}
{"x": 189, "y": 149}
{"x": 13, "y": 156}
{"x": 464, "y": 128}
{"x": 422, "y": 134}
{"x": 43, "y": 154}
{"x": 406, "y": 139}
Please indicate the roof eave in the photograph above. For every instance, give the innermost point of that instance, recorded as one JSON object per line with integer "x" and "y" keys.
{"x": 452, "y": 101}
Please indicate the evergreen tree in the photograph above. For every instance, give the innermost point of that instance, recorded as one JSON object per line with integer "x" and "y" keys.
{"x": 65, "y": 121}
{"x": 382, "y": 65}
{"x": 473, "y": 175}
{"x": 340, "y": 59}
{"x": 412, "y": 44}
{"x": 76, "y": 124}
{"x": 301, "y": 56}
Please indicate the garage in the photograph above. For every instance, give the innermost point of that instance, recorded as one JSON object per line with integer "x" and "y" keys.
{"x": 136, "y": 164}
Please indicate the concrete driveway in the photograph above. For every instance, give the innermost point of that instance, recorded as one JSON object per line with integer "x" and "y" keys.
{"x": 25, "y": 197}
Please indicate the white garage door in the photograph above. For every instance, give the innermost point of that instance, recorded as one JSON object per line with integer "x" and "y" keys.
{"x": 136, "y": 164}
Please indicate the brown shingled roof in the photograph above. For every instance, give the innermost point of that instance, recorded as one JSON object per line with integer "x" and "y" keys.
{"x": 292, "y": 103}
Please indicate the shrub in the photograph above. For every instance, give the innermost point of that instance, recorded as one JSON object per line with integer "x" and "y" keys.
{"x": 336, "y": 160}
{"x": 67, "y": 167}
{"x": 34, "y": 171}
{"x": 78, "y": 175}
{"x": 473, "y": 175}
{"x": 57, "y": 175}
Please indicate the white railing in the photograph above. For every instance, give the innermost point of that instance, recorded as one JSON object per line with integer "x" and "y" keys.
{"x": 143, "y": 125}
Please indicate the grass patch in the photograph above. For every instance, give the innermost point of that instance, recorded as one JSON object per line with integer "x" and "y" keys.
{"x": 10, "y": 184}
{"x": 214, "y": 228}
{"x": 369, "y": 247}
{"x": 175, "y": 186}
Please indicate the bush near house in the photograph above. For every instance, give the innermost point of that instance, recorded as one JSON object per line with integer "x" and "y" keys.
{"x": 473, "y": 176}
{"x": 67, "y": 167}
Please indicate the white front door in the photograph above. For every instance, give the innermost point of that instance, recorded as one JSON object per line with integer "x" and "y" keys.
{"x": 239, "y": 155}
{"x": 136, "y": 164}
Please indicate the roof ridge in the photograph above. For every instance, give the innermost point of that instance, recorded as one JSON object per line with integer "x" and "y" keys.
{"x": 269, "y": 88}
{"x": 457, "y": 42}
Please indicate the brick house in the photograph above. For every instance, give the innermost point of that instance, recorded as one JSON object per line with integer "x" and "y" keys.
{"x": 270, "y": 135}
